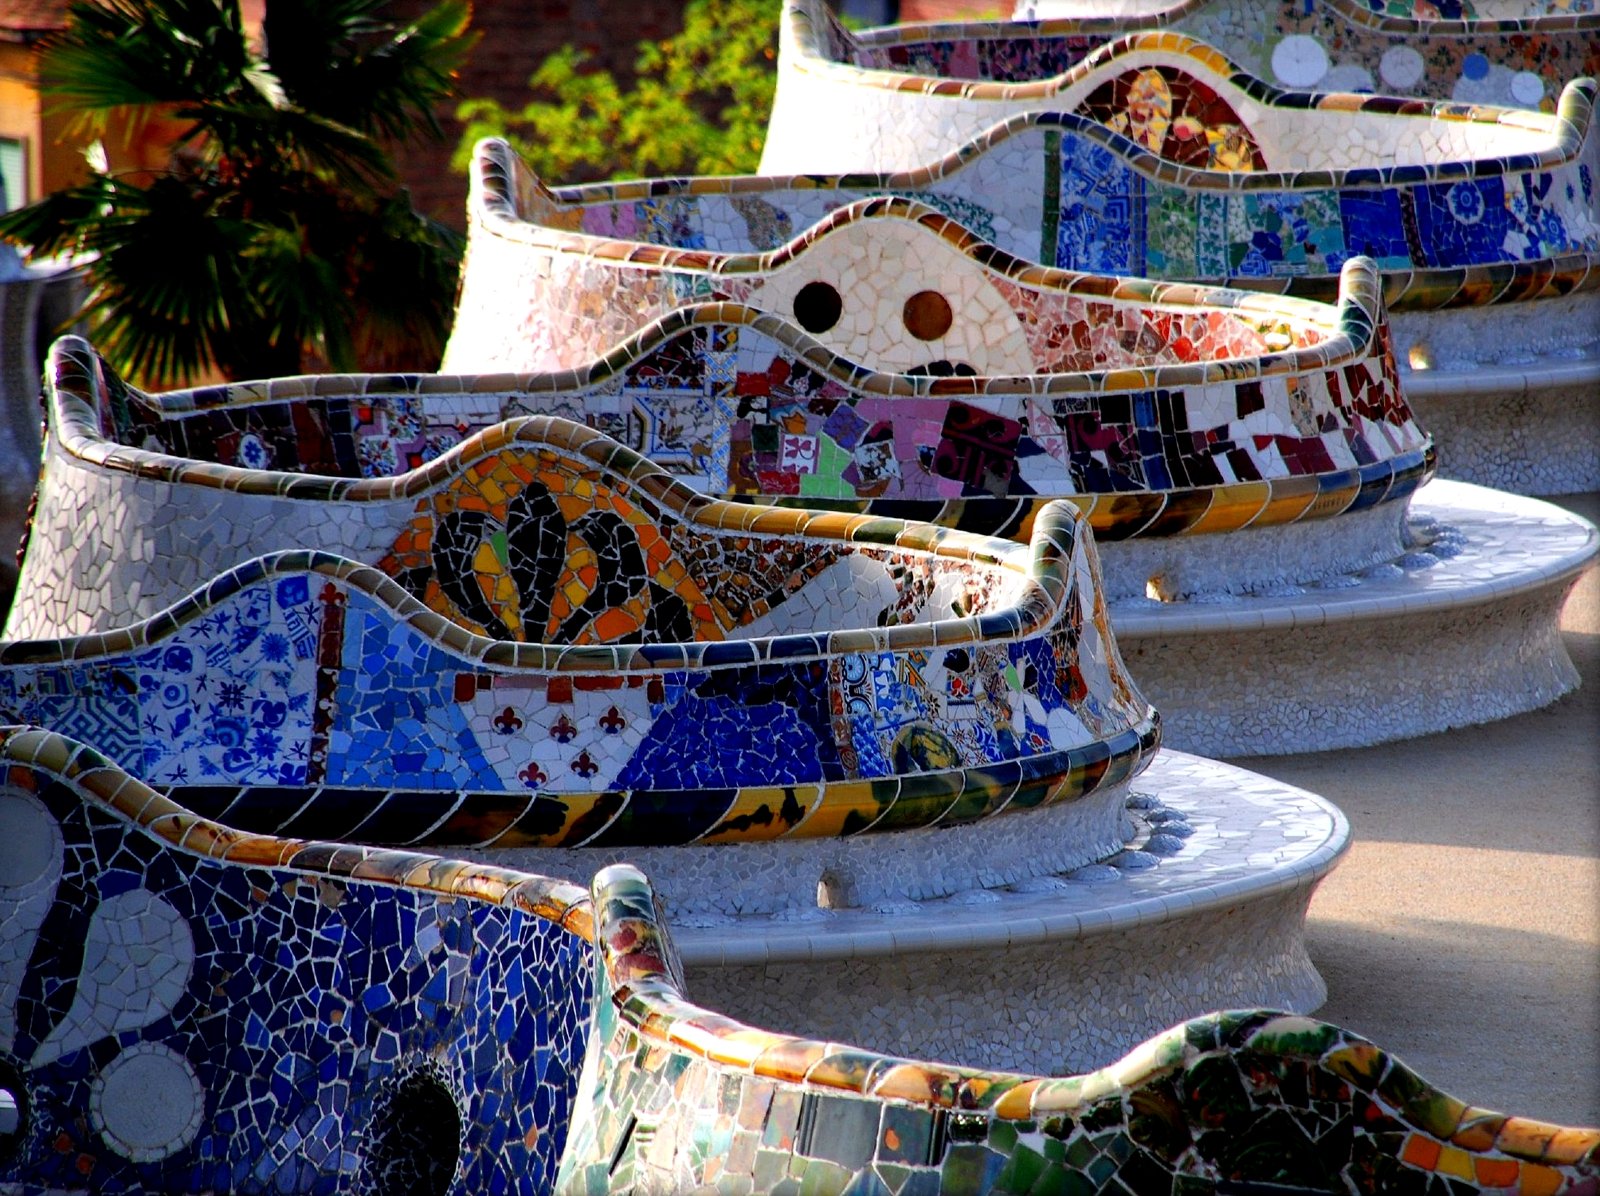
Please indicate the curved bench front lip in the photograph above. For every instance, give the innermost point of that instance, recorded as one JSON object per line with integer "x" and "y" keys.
{"x": 489, "y": 820}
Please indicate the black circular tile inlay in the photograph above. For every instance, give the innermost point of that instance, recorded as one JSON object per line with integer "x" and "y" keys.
{"x": 817, "y": 307}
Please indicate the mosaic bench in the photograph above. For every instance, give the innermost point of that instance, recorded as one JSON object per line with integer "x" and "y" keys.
{"x": 1517, "y": 54}
{"x": 317, "y": 1017}
{"x": 958, "y": 697}
{"x": 225, "y": 473}
{"x": 1165, "y": 412}
{"x": 620, "y": 252}
{"x": 1156, "y": 156}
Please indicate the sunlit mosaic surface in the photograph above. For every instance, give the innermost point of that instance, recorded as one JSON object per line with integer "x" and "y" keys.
{"x": 1146, "y": 130}
{"x": 657, "y": 668}
{"x": 1516, "y": 53}
{"x": 426, "y": 1018}
{"x": 739, "y": 404}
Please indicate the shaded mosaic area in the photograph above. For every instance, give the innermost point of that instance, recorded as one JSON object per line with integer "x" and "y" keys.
{"x": 488, "y": 1010}
{"x": 186, "y": 1008}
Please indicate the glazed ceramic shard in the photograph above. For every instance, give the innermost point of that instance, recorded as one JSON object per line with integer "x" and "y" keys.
{"x": 1157, "y": 156}
{"x": 354, "y": 1017}
{"x": 560, "y": 645}
{"x": 1518, "y": 53}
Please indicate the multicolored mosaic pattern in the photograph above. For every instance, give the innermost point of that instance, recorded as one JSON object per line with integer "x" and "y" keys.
{"x": 1518, "y": 54}
{"x": 185, "y": 1008}
{"x": 1104, "y": 168}
{"x": 603, "y": 657}
{"x": 313, "y": 1017}
{"x": 740, "y": 403}
{"x": 675, "y": 1099}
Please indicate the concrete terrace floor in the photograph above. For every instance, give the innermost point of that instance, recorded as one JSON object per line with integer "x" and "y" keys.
{"x": 1462, "y": 930}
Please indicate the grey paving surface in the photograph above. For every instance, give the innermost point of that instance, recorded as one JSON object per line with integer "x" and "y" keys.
{"x": 1462, "y": 931}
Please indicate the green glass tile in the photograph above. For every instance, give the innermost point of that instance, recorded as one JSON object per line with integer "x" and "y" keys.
{"x": 1021, "y": 1171}
{"x": 969, "y": 1170}
{"x": 824, "y": 1178}
{"x": 1002, "y": 1136}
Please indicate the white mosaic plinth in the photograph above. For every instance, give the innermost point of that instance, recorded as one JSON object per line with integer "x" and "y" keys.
{"x": 1465, "y": 629}
{"x": 1531, "y": 429}
{"x": 1059, "y": 974}
{"x": 1510, "y": 393}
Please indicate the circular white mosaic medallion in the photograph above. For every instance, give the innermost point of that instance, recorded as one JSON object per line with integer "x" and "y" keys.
{"x": 1299, "y": 61}
{"x": 30, "y": 841}
{"x": 1401, "y": 67}
{"x": 1527, "y": 88}
{"x": 147, "y": 1103}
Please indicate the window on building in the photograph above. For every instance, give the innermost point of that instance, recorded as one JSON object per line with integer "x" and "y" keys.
{"x": 13, "y": 174}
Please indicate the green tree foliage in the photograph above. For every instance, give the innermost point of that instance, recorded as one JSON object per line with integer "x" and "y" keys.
{"x": 277, "y": 234}
{"x": 699, "y": 104}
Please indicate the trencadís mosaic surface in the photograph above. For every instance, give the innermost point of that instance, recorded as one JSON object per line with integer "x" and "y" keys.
{"x": 743, "y": 404}
{"x": 322, "y": 1018}
{"x": 1150, "y": 136}
{"x": 185, "y": 1008}
{"x": 1155, "y": 155}
{"x": 1515, "y": 54}
{"x": 601, "y": 656}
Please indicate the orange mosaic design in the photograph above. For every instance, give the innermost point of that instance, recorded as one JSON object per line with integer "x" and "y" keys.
{"x": 576, "y": 575}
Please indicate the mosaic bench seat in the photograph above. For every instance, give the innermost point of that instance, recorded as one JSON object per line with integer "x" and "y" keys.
{"x": 225, "y": 473}
{"x": 602, "y": 657}
{"x": 1329, "y": 659}
{"x": 1156, "y": 156}
{"x": 317, "y": 1017}
{"x": 1164, "y": 412}
{"x": 1517, "y": 54}
{"x": 959, "y": 697}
